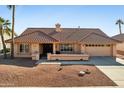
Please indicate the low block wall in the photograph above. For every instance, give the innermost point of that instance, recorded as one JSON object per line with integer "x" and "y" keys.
{"x": 67, "y": 56}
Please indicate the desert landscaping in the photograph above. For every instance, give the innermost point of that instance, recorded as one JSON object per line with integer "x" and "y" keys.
{"x": 45, "y": 75}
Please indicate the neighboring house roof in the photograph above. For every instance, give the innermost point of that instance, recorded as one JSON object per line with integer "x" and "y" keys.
{"x": 34, "y": 37}
{"x": 46, "y": 35}
{"x": 119, "y": 37}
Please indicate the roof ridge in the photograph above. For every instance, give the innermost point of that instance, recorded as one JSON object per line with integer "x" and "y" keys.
{"x": 71, "y": 34}
{"x": 21, "y": 36}
{"x": 108, "y": 37}
{"x": 47, "y": 35}
{"x": 103, "y": 37}
{"x": 35, "y": 32}
{"x": 40, "y": 32}
{"x": 85, "y": 36}
{"x": 62, "y": 28}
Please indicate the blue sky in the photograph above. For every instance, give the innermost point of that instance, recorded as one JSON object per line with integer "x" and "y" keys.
{"x": 103, "y": 17}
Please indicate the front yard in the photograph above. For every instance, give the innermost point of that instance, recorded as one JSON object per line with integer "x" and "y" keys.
{"x": 45, "y": 75}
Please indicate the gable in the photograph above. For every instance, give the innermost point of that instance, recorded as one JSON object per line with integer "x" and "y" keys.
{"x": 94, "y": 38}
{"x": 34, "y": 37}
{"x": 67, "y": 34}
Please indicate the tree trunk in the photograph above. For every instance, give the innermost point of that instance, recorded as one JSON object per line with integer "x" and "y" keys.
{"x": 13, "y": 23}
{"x": 120, "y": 28}
{"x": 3, "y": 42}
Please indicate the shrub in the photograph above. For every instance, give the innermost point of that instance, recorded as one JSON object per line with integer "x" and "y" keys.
{"x": 7, "y": 50}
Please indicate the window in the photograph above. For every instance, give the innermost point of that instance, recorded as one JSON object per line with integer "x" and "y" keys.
{"x": 96, "y": 45}
{"x": 66, "y": 47}
{"x": 24, "y": 48}
{"x": 108, "y": 45}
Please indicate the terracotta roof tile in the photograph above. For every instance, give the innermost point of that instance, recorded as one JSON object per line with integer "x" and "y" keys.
{"x": 67, "y": 34}
{"x": 94, "y": 38}
{"x": 46, "y": 35}
{"x": 34, "y": 37}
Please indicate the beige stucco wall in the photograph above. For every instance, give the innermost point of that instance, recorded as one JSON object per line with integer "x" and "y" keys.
{"x": 114, "y": 51}
{"x": 120, "y": 46}
{"x": 18, "y": 54}
{"x": 33, "y": 48}
{"x": 92, "y": 51}
{"x": 57, "y": 47}
{"x": 83, "y": 48}
{"x": 67, "y": 56}
{"x": 77, "y": 48}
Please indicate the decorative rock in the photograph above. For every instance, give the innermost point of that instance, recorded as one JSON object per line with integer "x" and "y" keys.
{"x": 81, "y": 73}
{"x": 87, "y": 71}
{"x": 60, "y": 69}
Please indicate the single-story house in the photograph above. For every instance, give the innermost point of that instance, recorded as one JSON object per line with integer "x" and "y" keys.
{"x": 120, "y": 46}
{"x": 63, "y": 42}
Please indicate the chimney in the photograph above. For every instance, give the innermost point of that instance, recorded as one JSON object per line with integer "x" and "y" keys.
{"x": 58, "y": 29}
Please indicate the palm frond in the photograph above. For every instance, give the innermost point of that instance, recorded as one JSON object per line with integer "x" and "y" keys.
{"x": 7, "y": 31}
{"x": 2, "y": 20}
{"x": 119, "y": 21}
{"x": 6, "y": 23}
{"x": 116, "y": 23}
{"x": 9, "y": 6}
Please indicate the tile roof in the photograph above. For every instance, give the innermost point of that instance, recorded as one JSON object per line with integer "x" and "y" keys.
{"x": 67, "y": 34}
{"x": 94, "y": 38}
{"x": 46, "y": 35}
{"x": 34, "y": 37}
{"x": 119, "y": 37}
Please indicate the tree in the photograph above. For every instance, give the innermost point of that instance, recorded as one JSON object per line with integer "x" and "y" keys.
{"x": 119, "y": 22}
{"x": 12, "y": 7}
{"x": 4, "y": 28}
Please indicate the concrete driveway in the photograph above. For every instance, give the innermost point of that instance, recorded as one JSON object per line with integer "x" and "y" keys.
{"x": 97, "y": 61}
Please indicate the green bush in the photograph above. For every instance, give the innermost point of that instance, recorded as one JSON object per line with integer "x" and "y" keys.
{"x": 7, "y": 50}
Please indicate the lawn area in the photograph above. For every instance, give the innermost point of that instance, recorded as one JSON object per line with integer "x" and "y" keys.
{"x": 45, "y": 75}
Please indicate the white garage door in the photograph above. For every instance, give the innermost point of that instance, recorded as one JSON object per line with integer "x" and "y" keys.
{"x": 99, "y": 50}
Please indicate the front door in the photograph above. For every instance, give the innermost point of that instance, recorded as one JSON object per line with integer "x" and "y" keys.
{"x": 47, "y": 48}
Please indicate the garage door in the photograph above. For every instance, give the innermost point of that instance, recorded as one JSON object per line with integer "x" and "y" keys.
{"x": 99, "y": 50}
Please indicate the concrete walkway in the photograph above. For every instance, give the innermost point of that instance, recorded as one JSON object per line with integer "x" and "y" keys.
{"x": 115, "y": 73}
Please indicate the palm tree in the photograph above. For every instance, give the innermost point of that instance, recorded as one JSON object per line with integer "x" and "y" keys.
{"x": 12, "y": 7}
{"x": 119, "y": 22}
{"x": 4, "y": 28}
